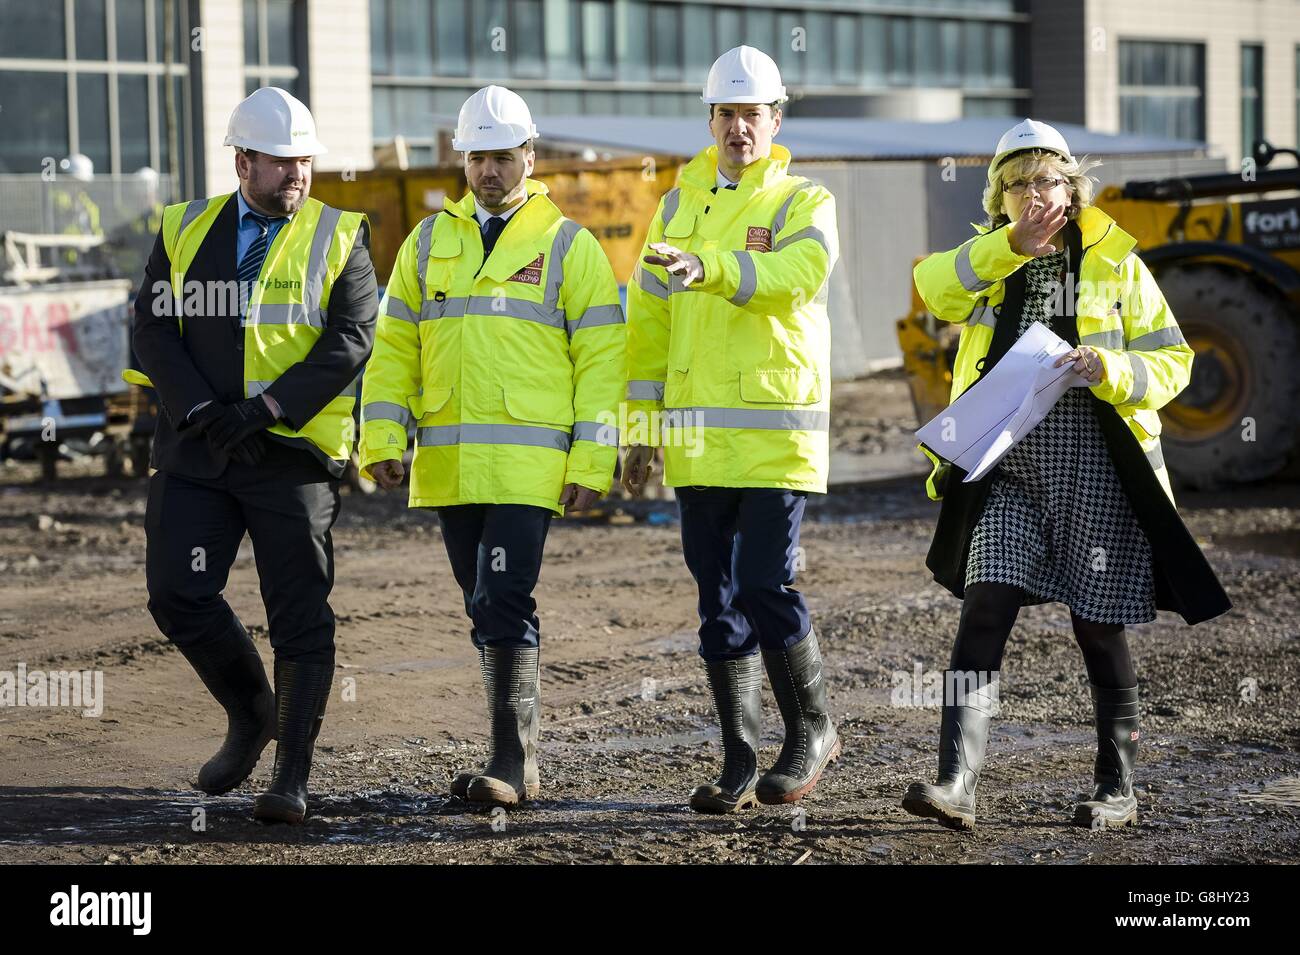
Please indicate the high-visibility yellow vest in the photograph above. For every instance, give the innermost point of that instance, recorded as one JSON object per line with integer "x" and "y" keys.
{"x": 286, "y": 308}
{"x": 1122, "y": 315}
{"x": 732, "y": 373}
{"x": 510, "y": 369}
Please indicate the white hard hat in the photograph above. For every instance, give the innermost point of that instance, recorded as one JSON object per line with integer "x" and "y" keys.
{"x": 273, "y": 121}
{"x": 147, "y": 174}
{"x": 493, "y": 118}
{"x": 79, "y": 166}
{"x": 744, "y": 75}
{"x": 1030, "y": 134}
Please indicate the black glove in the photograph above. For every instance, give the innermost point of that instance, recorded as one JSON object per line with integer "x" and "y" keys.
{"x": 198, "y": 422}
{"x": 250, "y": 451}
{"x": 238, "y": 422}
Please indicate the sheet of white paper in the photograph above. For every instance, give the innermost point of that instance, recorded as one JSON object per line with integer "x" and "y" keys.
{"x": 985, "y": 422}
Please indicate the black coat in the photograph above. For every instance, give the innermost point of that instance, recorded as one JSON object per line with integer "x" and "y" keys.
{"x": 207, "y": 362}
{"x": 1184, "y": 581}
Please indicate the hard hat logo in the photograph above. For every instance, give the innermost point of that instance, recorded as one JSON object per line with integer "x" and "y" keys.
{"x": 273, "y": 121}
{"x": 493, "y": 118}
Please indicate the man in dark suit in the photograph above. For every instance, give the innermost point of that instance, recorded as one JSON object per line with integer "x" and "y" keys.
{"x": 255, "y": 318}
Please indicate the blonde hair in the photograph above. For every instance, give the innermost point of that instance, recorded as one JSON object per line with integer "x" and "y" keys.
{"x": 1028, "y": 165}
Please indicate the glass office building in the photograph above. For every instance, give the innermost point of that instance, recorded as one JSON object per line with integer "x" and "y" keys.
{"x": 648, "y": 58}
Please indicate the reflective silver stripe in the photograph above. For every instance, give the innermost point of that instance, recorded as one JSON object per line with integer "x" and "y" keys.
{"x": 651, "y": 284}
{"x": 278, "y": 313}
{"x": 1161, "y": 338}
{"x": 595, "y": 316}
{"x": 1113, "y": 339}
{"x": 605, "y": 434}
{"x": 399, "y": 310}
{"x": 385, "y": 411}
{"x": 643, "y": 389}
{"x": 985, "y": 315}
{"x": 748, "y": 279}
{"x": 193, "y": 209}
{"x": 422, "y": 252}
{"x": 459, "y": 305}
{"x": 1139, "y": 379}
{"x": 560, "y": 245}
{"x": 453, "y": 307}
{"x": 313, "y": 290}
{"x": 966, "y": 272}
{"x": 778, "y": 223}
{"x": 514, "y": 308}
{"x": 447, "y": 434}
{"x": 1156, "y": 458}
{"x": 756, "y": 418}
{"x": 255, "y": 388}
{"x": 812, "y": 232}
{"x": 671, "y": 200}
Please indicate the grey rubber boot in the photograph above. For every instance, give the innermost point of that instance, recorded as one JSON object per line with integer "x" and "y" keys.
{"x": 232, "y": 670}
{"x": 811, "y": 743}
{"x": 460, "y": 782}
{"x": 1113, "y": 803}
{"x": 511, "y": 680}
{"x": 736, "y": 686}
{"x": 963, "y": 740}
{"x": 302, "y": 691}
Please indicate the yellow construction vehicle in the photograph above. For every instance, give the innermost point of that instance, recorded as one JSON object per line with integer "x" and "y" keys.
{"x": 1227, "y": 258}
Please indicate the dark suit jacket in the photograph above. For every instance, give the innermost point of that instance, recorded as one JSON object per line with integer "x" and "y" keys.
{"x": 207, "y": 362}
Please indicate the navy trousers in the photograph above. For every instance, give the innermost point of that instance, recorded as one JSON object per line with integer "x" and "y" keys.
{"x": 742, "y": 545}
{"x": 193, "y": 527}
{"x": 496, "y": 557}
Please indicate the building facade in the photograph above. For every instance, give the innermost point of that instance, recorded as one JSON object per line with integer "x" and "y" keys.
{"x": 134, "y": 83}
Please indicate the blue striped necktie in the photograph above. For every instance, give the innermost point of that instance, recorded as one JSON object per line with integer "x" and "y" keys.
{"x": 250, "y": 266}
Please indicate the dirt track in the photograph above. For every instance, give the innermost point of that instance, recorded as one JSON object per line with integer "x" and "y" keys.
{"x": 627, "y": 725}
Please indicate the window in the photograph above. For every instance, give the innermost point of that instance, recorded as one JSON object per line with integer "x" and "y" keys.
{"x": 1162, "y": 88}
{"x": 451, "y": 37}
{"x": 598, "y": 38}
{"x": 666, "y": 37}
{"x": 490, "y": 31}
{"x": 1252, "y": 97}
{"x": 697, "y": 36}
{"x": 96, "y": 86}
{"x": 846, "y": 49}
{"x": 411, "y": 22}
{"x": 900, "y": 51}
{"x": 527, "y": 37}
{"x": 271, "y": 46}
{"x": 875, "y": 50}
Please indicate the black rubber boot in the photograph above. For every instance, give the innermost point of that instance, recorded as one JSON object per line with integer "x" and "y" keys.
{"x": 460, "y": 782}
{"x": 510, "y": 679}
{"x": 301, "y": 691}
{"x": 963, "y": 740}
{"x": 1113, "y": 804}
{"x": 811, "y": 743}
{"x": 232, "y": 670}
{"x": 737, "y": 687}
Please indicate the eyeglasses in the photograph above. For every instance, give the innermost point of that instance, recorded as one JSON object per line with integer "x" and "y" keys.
{"x": 1018, "y": 187}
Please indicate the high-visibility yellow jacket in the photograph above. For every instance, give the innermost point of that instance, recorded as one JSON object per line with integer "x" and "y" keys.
{"x": 736, "y": 367}
{"x": 1122, "y": 314}
{"x": 286, "y": 308}
{"x": 511, "y": 369}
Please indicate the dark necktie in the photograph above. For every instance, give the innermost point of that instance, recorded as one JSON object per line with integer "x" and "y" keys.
{"x": 250, "y": 266}
{"x": 491, "y": 232}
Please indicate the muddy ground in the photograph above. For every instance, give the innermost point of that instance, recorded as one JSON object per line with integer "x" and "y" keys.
{"x": 627, "y": 727}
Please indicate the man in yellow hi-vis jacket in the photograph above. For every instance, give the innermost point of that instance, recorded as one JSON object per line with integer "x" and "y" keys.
{"x": 501, "y": 339}
{"x": 729, "y": 369}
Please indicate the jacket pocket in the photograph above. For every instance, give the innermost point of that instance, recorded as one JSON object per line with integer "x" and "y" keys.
{"x": 1148, "y": 421}
{"x": 680, "y": 226}
{"x": 430, "y": 401}
{"x": 539, "y": 406}
{"x": 785, "y": 386}
{"x": 676, "y": 390}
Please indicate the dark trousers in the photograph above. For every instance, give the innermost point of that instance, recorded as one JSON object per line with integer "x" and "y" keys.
{"x": 741, "y": 545}
{"x": 287, "y": 504}
{"x": 496, "y": 557}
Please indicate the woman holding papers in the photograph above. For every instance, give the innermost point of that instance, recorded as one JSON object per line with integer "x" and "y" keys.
{"x": 1080, "y": 511}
